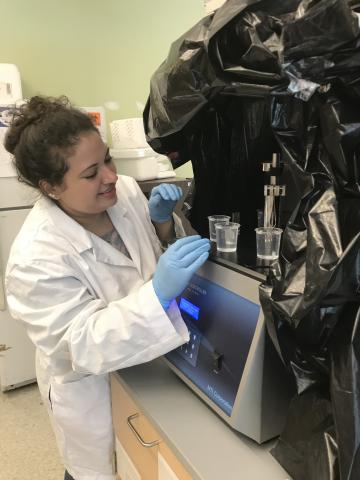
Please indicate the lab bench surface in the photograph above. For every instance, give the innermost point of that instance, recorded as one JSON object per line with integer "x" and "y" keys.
{"x": 147, "y": 185}
{"x": 184, "y": 183}
{"x": 202, "y": 442}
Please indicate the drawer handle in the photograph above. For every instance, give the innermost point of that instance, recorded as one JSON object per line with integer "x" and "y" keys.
{"x": 136, "y": 433}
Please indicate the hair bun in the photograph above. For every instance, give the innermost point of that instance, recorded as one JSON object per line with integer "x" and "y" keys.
{"x": 33, "y": 112}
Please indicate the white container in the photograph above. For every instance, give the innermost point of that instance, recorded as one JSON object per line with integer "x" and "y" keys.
{"x": 140, "y": 163}
{"x": 128, "y": 133}
{"x": 10, "y": 84}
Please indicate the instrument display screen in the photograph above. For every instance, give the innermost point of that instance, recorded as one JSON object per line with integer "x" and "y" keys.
{"x": 189, "y": 308}
{"x": 221, "y": 326}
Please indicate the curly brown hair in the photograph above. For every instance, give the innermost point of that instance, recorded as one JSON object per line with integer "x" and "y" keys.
{"x": 42, "y": 135}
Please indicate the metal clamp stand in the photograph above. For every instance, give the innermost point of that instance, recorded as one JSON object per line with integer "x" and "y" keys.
{"x": 272, "y": 190}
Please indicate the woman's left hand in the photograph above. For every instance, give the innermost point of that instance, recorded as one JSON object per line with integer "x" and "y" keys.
{"x": 162, "y": 201}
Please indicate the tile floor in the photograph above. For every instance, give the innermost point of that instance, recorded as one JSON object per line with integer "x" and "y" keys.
{"x": 27, "y": 444}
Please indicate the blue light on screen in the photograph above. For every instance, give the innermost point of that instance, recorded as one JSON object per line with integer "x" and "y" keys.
{"x": 189, "y": 308}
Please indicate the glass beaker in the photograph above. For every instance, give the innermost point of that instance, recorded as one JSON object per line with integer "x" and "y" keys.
{"x": 226, "y": 236}
{"x": 213, "y": 219}
{"x": 268, "y": 242}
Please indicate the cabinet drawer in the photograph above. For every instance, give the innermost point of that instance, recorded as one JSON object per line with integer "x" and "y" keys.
{"x": 145, "y": 459}
{"x": 173, "y": 462}
{"x": 123, "y": 407}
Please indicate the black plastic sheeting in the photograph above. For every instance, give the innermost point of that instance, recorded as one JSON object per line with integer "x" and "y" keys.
{"x": 259, "y": 77}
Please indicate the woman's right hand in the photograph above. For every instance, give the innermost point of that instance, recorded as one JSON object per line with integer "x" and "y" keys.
{"x": 177, "y": 265}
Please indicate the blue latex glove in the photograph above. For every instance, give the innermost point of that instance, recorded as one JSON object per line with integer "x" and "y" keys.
{"x": 177, "y": 265}
{"x": 162, "y": 201}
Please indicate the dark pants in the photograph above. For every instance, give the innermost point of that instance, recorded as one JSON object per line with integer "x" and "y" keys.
{"x": 68, "y": 476}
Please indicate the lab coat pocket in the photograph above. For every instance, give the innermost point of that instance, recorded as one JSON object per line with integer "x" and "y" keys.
{"x": 83, "y": 424}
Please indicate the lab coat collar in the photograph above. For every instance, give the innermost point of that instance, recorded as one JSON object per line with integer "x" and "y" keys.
{"x": 106, "y": 253}
{"x": 67, "y": 226}
{"x": 82, "y": 240}
{"x": 121, "y": 220}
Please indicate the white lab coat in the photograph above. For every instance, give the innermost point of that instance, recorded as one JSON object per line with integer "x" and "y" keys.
{"x": 89, "y": 310}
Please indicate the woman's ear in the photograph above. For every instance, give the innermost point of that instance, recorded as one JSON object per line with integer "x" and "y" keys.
{"x": 48, "y": 190}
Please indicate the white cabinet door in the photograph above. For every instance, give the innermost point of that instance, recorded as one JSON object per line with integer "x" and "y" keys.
{"x": 17, "y": 363}
{"x": 124, "y": 466}
{"x": 164, "y": 469}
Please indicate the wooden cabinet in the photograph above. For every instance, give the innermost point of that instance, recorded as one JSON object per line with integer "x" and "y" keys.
{"x": 138, "y": 439}
{"x": 194, "y": 442}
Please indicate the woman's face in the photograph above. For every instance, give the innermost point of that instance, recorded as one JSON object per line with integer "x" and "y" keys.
{"x": 88, "y": 187}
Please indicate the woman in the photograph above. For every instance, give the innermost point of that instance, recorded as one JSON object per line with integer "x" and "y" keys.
{"x": 84, "y": 277}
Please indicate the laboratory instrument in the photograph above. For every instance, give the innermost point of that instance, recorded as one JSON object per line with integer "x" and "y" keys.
{"x": 272, "y": 191}
{"x": 230, "y": 361}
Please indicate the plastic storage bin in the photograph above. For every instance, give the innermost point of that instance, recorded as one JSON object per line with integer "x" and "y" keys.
{"x": 140, "y": 163}
{"x": 132, "y": 154}
{"x": 128, "y": 133}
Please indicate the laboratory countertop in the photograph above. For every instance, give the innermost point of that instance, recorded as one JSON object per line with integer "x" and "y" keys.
{"x": 147, "y": 185}
{"x": 207, "y": 447}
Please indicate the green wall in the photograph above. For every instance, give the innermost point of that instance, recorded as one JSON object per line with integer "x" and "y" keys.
{"x": 93, "y": 51}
